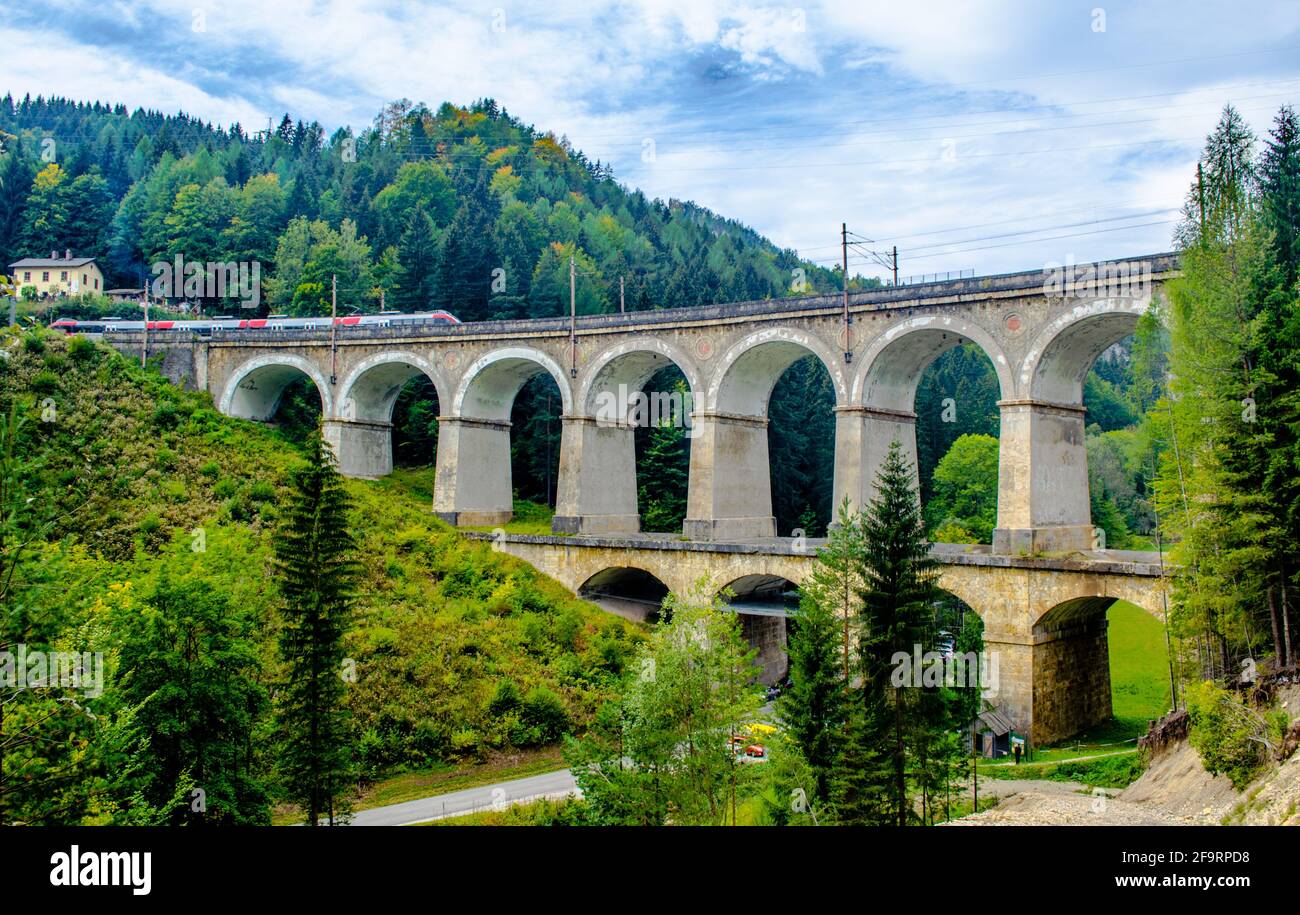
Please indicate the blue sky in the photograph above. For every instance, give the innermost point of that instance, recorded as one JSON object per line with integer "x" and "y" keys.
{"x": 990, "y": 136}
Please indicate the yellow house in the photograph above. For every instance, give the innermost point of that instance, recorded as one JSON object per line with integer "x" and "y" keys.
{"x": 56, "y": 275}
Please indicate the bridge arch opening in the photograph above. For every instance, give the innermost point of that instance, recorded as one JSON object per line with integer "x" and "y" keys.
{"x": 536, "y": 433}
{"x": 388, "y": 409}
{"x": 662, "y": 451}
{"x": 1049, "y": 496}
{"x": 765, "y": 605}
{"x": 491, "y": 386}
{"x": 957, "y": 432}
{"x": 500, "y": 432}
{"x": 1057, "y": 375}
{"x": 257, "y": 389}
{"x": 933, "y": 384}
{"x": 1100, "y": 669}
{"x": 626, "y": 591}
{"x": 763, "y": 456}
{"x": 629, "y": 448}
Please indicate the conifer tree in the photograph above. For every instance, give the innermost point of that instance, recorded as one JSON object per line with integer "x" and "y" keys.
{"x": 316, "y": 574}
{"x": 417, "y": 255}
{"x": 814, "y": 708}
{"x": 898, "y": 594}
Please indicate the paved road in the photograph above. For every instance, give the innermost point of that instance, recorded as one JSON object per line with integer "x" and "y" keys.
{"x": 488, "y": 797}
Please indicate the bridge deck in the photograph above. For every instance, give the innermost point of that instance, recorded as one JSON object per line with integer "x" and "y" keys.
{"x": 1111, "y": 562}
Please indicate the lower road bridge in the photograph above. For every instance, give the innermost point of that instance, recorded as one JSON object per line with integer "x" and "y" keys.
{"x": 1044, "y": 619}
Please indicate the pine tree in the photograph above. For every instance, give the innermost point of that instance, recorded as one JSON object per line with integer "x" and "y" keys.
{"x": 417, "y": 255}
{"x": 316, "y": 575}
{"x": 813, "y": 710}
{"x": 1279, "y": 189}
{"x": 898, "y": 593}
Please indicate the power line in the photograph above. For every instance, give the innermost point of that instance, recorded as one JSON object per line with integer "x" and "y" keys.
{"x": 803, "y": 134}
{"x": 956, "y": 244}
{"x": 1141, "y": 225}
{"x": 1002, "y": 222}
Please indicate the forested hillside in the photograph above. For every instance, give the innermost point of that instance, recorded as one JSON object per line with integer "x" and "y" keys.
{"x": 460, "y": 208}
{"x": 137, "y": 520}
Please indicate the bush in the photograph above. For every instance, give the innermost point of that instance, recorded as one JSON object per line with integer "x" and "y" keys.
{"x": 1231, "y": 738}
{"x": 261, "y": 491}
{"x": 82, "y": 350}
{"x": 33, "y": 342}
{"x": 542, "y": 718}
{"x": 165, "y": 415}
{"x": 506, "y": 699}
{"x": 150, "y": 525}
{"x": 44, "y": 382}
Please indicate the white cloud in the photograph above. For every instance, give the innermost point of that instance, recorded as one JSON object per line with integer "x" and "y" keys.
{"x": 791, "y": 117}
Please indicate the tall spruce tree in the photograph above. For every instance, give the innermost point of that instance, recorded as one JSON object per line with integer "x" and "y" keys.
{"x": 898, "y": 594}
{"x": 417, "y": 257}
{"x": 814, "y": 708}
{"x": 316, "y": 574}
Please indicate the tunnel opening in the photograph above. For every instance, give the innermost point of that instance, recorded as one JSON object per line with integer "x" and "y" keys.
{"x": 628, "y": 592}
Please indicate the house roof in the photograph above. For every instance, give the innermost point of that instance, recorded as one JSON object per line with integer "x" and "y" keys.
{"x": 993, "y": 720}
{"x": 52, "y": 262}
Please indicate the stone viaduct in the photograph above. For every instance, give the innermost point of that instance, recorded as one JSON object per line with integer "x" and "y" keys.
{"x": 1044, "y": 618}
{"x": 1042, "y": 330}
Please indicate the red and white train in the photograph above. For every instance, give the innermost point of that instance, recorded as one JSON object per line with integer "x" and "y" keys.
{"x": 272, "y": 322}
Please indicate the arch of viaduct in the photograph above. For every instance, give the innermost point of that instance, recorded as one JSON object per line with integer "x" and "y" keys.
{"x": 1041, "y": 330}
{"x": 1044, "y": 619}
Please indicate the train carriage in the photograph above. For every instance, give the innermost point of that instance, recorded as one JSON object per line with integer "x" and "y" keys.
{"x": 218, "y": 325}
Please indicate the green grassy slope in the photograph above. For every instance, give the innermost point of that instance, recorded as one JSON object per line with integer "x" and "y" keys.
{"x": 143, "y": 477}
{"x": 1139, "y": 671}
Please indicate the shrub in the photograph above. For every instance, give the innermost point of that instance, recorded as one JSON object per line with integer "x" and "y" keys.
{"x": 165, "y": 415}
{"x": 542, "y": 718}
{"x": 506, "y": 699}
{"x": 33, "y": 342}
{"x": 82, "y": 350}
{"x": 261, "y": 491}
{"x": 45, "y": 382}
{"x": 1231, "y": 738}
